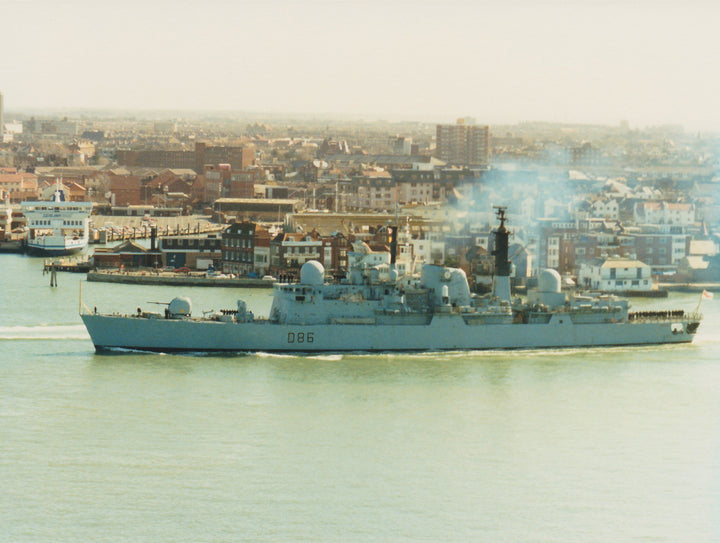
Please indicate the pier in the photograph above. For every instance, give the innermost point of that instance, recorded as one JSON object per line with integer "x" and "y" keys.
{"x": 68, "y": 264}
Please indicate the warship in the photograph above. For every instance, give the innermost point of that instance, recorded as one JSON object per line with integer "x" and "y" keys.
{"x": 377, "y": 309}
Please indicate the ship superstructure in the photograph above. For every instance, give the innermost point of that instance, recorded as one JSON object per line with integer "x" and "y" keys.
{"x": 378, "y": 309}
{"x": 57, "y": 227}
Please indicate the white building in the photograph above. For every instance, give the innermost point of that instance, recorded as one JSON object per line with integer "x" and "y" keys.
{"x": 615, "y": 275}
{"x": 605, "y": 209}
{"x": 429, "y": 250}
{"x": 416, "y": 192}
{"x": 298, "y": 248}
{"x": 679, "y": 214}
{"x": 553, "y": 252}
{"x": 262, "y": 259}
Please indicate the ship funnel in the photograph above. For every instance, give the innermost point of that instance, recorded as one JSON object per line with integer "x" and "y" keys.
{"x": 392, "y": 230}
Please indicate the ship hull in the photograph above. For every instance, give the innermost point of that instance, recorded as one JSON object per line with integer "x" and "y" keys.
{"x": 449, "y": 332}
{"x": 54, "y": 245}
{"x": 57, "y": 227}
{"x": 58, "y": 250}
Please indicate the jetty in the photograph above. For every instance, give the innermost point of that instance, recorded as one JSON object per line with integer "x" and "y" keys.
{"x": 12, "y": 246}
{"x": 73, "y": 265}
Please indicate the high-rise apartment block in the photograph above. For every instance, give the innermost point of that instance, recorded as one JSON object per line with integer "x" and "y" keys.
{"x": 463, "y": 144}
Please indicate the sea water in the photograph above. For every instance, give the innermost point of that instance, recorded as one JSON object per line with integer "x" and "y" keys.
{"x": 619, "y": 444}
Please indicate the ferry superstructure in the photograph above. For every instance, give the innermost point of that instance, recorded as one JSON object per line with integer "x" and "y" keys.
{"x": 57, "y": 227}
{"x": 374, "y": 309}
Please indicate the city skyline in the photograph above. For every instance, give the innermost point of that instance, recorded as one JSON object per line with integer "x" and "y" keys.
{"x": 502, "y": 63}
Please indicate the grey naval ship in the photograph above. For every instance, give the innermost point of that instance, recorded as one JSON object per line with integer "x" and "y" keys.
{"x": 375, "y": 308}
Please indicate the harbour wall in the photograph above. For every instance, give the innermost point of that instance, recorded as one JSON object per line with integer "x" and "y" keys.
{"x": 149, "y": 278}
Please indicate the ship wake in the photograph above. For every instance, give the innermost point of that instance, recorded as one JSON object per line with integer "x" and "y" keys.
{"x": 43, "y": 332}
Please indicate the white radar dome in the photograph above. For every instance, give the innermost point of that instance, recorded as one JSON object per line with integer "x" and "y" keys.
{"x": 549, "y": 281}
{"x": 312, "y": 273}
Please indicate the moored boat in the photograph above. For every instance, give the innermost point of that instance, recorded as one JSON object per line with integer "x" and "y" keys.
{"x": 57, "y": 227}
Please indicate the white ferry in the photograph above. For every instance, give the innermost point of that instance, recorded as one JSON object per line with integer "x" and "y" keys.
{"x": 57, "y": 227}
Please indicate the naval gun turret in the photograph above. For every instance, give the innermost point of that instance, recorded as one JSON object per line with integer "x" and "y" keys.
{"x": 179, "y": 308}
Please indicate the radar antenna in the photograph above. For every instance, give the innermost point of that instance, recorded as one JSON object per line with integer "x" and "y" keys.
{"x": 500, "y": 212}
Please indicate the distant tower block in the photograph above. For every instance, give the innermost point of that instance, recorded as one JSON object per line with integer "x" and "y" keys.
{"x": 463, "y": 144}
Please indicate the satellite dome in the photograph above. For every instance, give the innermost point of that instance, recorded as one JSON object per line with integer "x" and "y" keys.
{"x": 549, "y": 281}
{"x": 312, "y": 273}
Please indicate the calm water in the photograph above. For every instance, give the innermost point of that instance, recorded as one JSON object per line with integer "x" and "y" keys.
{"x": 572, "y": 445}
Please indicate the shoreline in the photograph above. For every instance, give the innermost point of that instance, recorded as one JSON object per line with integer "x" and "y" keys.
{"x": 691, "y": 287}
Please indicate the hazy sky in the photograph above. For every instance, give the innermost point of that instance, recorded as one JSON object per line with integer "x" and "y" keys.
{"x": 649, "y": 62}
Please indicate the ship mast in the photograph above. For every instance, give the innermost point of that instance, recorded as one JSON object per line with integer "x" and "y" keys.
{"x": 501, "y": 277}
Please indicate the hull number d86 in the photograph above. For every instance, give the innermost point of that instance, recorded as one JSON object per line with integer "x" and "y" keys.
{"x": 300, "y": 337}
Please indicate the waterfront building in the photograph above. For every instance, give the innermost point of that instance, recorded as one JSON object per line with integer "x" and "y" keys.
{"x": 126, "y": 255}
{"x": 299, "y": 247}
{"x": 615, "y": 275}
{"x": 194, "y": 252}
{"x": 661, "y": 250}
{"x": 245, "y": 249}
{"x": 340, "y": 246}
